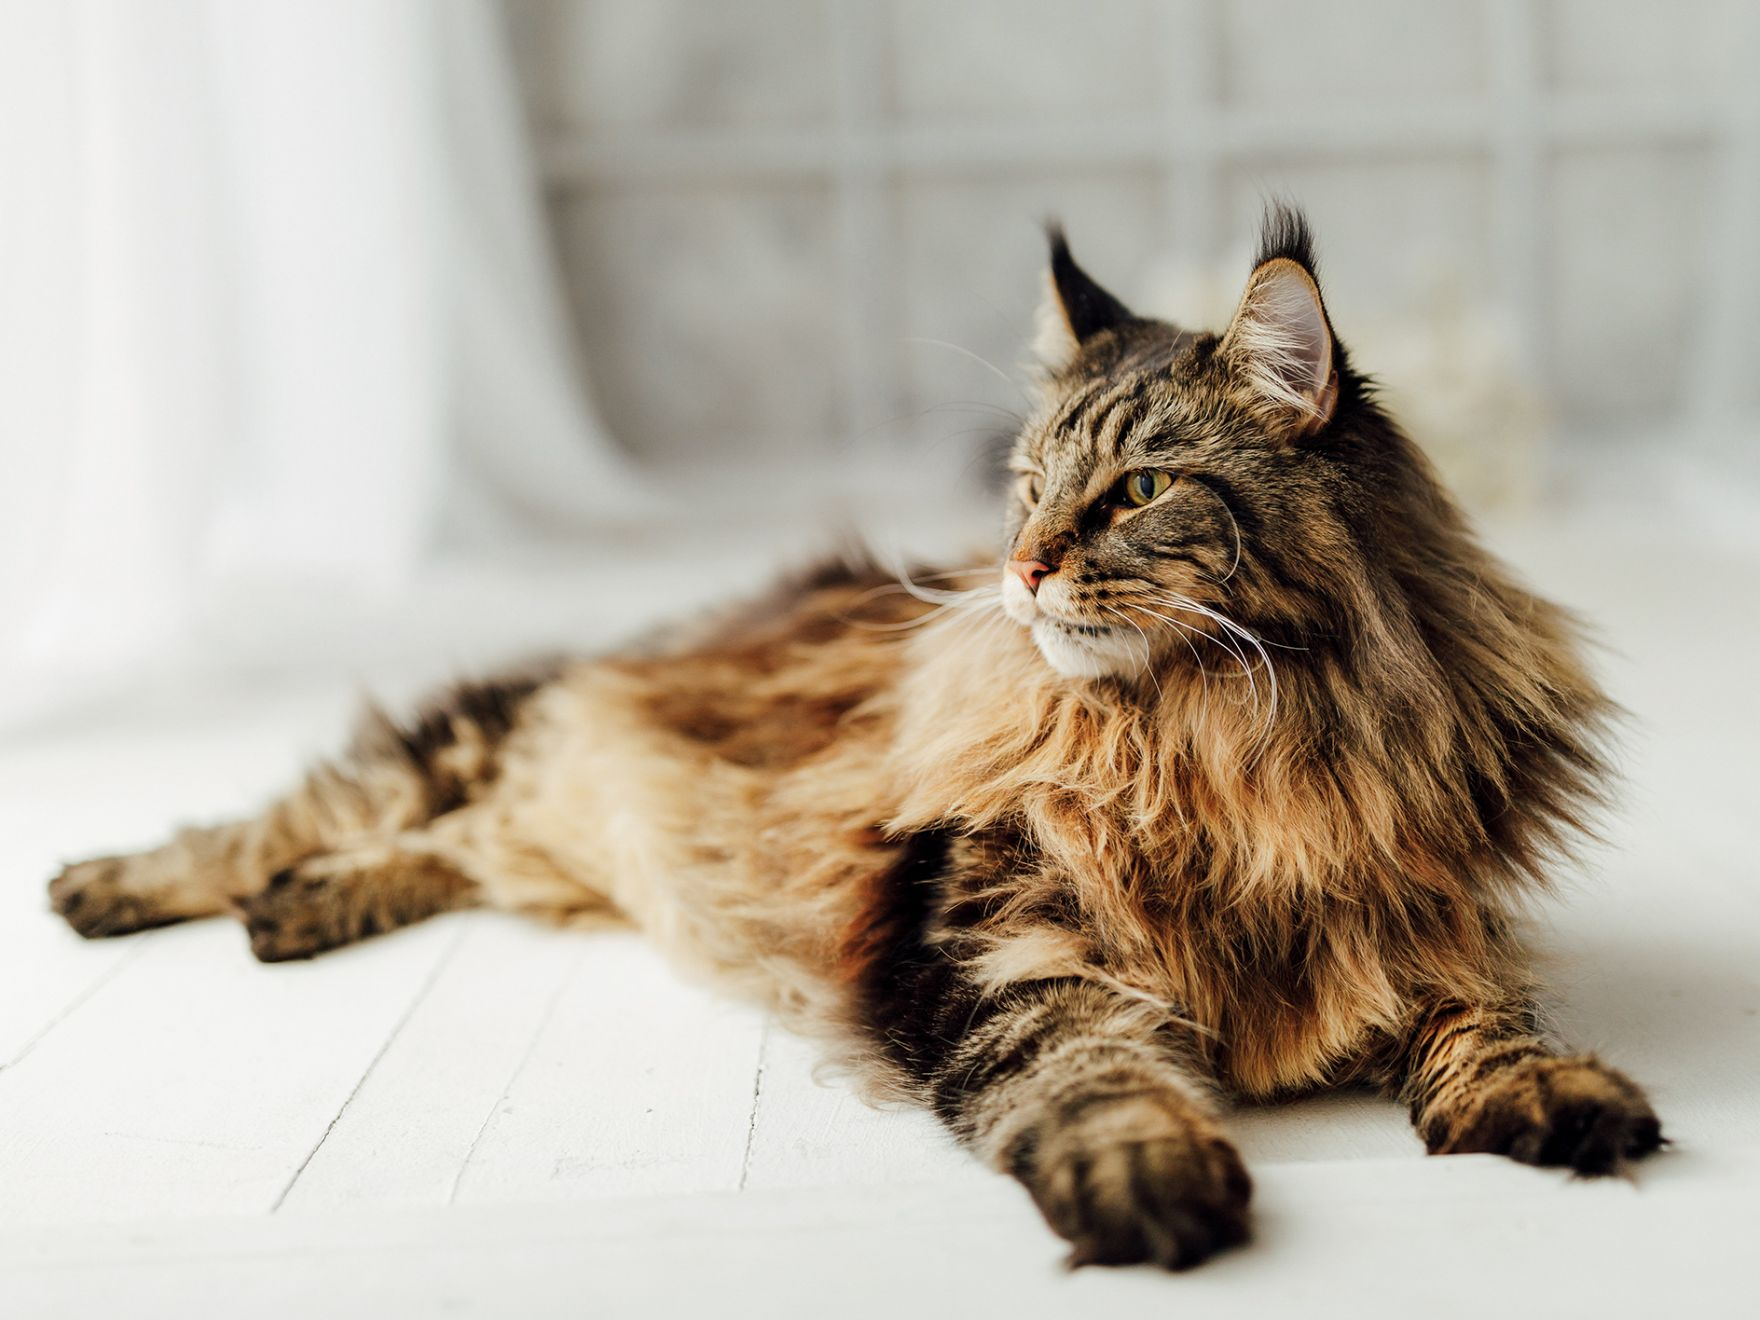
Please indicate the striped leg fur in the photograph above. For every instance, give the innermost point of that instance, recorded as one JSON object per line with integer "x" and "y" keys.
{"x": 339, "y": 857}
{"x": 1480, "y": 1080}
{"x": 1097, "y": 1105}
{"x": 207, "y": 871}
{"x": 339, "y": 897}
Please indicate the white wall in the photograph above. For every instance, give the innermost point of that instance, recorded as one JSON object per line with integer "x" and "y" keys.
{"x": 762, "y": 205}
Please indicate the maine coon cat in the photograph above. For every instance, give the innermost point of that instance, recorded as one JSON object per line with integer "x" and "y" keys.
{"x": 1227, "y": 782}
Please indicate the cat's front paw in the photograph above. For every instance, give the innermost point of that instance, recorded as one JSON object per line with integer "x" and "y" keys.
{"x": 1135, "y": 1181}
{"x": 296, "y": 915}
{"x": 1572, "y": 1112}
{"x": 96, "y": 900}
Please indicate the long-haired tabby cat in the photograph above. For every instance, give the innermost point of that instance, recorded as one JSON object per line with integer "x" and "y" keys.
{"x": 1227, "y": 783}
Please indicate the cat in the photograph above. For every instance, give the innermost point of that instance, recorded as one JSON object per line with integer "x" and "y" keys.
{"x": 1227, "y": 782}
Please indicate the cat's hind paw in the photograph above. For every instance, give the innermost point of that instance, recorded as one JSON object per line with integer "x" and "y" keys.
{"x": 297, "y": 915}
{"x": 95, "y": 899}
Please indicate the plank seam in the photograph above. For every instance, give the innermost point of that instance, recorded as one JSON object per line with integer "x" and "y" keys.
{"x": 745, "y": 1162}
{"x": 73, "y": 1005}
{"x": 562, "y": 985}
{"x": 421, "y": 994}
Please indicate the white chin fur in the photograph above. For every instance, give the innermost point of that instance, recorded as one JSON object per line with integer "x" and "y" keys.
{"x": 1074, "y": 655}
{"x": 1085, "y": 657}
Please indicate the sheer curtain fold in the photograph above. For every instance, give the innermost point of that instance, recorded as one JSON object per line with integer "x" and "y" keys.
{"x": 278, "y": 311}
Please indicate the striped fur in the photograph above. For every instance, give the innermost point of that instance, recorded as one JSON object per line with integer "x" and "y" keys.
{"x": 1241, "y": 799}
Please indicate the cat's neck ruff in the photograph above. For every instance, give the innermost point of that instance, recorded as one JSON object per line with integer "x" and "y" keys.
{"x": 986, "y": 728}
{"x": 1181, "y": 772}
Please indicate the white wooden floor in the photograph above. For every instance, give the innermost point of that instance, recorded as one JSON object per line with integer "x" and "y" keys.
{"x": 478, "y": 1116}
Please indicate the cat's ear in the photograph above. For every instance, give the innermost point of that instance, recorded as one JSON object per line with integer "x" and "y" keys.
{"x": 1280, "y": 345}
{"x": 1074, "y": 309}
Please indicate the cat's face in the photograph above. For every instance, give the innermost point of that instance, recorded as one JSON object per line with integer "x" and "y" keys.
{"x": 1164, "y": 471}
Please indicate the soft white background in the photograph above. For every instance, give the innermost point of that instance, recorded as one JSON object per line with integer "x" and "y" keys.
{"x": 358, "y": 343}
{"x": 781, "y": 194}
{"x": 309, "y": 304}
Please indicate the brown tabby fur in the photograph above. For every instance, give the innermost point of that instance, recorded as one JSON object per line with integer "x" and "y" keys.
{"x": 1068, "y": 912}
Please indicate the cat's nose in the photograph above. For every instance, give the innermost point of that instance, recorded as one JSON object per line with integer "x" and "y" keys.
{"x": 1030, "y": 571}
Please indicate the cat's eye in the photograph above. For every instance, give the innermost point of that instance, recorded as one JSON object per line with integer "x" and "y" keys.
{"x": 1140, "y": 488}
{"x": 1031, "y": 486}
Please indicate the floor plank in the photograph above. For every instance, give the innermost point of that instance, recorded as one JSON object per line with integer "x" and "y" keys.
{"x": 637, "y": 1082}
{"x": 405, "y": 1136}
{"x": 814, "y": 1130}
{"x": 1463, "y": 1237}
{"x": 195, "y": 1081}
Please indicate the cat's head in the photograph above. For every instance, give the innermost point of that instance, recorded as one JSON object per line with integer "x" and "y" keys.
{"x": 1177, "y": 489}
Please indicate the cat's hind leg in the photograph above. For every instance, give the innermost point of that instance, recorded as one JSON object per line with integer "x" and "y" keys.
{"x": 119, "y": 895}
{"x": 481, "y": 855}
{"x": 394, "y": 778}
{"x": 204, "y": 871}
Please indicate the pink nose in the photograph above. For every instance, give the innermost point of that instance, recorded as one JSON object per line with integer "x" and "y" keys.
{"x": 1029, "y": 571}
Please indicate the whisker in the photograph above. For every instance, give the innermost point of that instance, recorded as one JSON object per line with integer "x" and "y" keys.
{"x": 1230, "y": 640}
{"x": 975, "y": 357}
{"x": 984, "y": 597}
{"x": 938, "y": 612}
{"x": 1237, "y": 540}
{"x": 1241, "y": 634}
{"x": 935, "y": 596}
{"x": 1187, "y": 603}
{"x": 981, "y": 600}
{"x": 899, "y": 587}
{"x": 1226, "y": 644}
{"x": 1182, "y": 634}
{"x": 939, "y": 596}
{"x": 974, "y": 405}
{"x": 1015, "y": 419}
{"x": 1148, "y": 651}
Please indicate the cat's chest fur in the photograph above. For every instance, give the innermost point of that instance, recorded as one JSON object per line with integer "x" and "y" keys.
{"x": 1104, "y": 838}
{"x": 1290, "y": 982}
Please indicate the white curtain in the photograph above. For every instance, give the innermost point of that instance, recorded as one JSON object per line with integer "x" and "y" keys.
{"x": 276, "y": 310}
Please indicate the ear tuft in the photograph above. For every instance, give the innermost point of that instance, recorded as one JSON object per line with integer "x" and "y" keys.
{"x": 1280, "y": 341}
{"x": 1074, "y": 308}
{"x": 1284, "y": 233}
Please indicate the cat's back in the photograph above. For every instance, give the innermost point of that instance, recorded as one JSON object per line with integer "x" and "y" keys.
{"x": 721, "y": 763}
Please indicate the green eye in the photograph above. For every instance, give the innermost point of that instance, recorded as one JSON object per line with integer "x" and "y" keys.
{"x": 1141, "y": 488}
